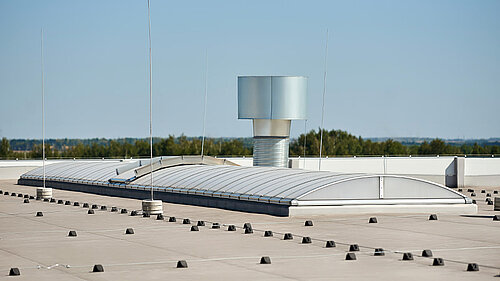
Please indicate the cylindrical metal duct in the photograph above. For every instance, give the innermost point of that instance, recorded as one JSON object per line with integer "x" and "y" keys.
{"x": 271, "y": 142}
{"x": 270, "y": 151}
{"x": 272, "y": 102}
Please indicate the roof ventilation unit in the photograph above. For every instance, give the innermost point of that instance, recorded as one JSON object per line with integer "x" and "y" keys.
{"x": 272, "y": 102}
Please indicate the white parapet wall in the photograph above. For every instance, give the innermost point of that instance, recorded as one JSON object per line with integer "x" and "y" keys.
{"x": 450, "y": 171}
{"x": 13, "y": 169}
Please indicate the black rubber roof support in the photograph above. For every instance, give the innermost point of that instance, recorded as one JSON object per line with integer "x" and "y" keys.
{"x": 379, "y": 252}
{"x": 182, "y": 264}
{"x": 308, "y": 223}
{"x": 438, "y": 262}
{"x": 287, "y": 236}
{"x": 265, "y": 260}
{"x": 330, "y": 244}
{"x": 14, "y": 271}
{"x": 98, "y": 268}
{"x": 407, "y": 256}
{"x": 268, "y": 233}
{"x": 231, "y": 228}
{"x": 472, "y": 267}
{"x": 306, "y": 240}
{"x": 39, "y": 214}
{"x": 72, "y": 233}
{"x": 433, "y": 217}
{"x": 427, "y": 253}
{"x": 353, "y": 248}
{"x": 129, "y": 231}
{"x": 350, "y": 257}
{"x": 194, "y": 228}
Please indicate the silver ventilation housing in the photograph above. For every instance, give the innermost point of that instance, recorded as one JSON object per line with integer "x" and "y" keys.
{"x": 272, "y": 102}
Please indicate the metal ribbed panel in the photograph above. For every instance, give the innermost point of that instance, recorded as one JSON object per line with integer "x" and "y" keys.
{"x": 271, "y": 152}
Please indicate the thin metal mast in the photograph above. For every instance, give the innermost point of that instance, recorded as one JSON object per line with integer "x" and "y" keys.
{"x": 43, "y": 109}
{"x": 323, "y": 104}
{"x": 150, "y": 102}
{"x": 205, "y": 102}
{"x": 305, "y": 140}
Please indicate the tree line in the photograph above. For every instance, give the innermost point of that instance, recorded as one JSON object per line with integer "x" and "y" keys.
{"x": 126, "y": 148}
{"x": 341, "y": 143}
{"x": 335, "y": 143}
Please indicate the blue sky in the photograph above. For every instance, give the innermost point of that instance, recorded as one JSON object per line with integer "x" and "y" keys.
{"x": 395, "y": 68}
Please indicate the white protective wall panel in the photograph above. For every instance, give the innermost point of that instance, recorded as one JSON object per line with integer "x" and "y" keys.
{"x": 242, "y": 161}
{"x": 418, "y": 165}
{"x": 482, "y": 166}
{"x": 14, "y": 172}
{"x": 399, "y": 187}
{"x": 370, "y": 165}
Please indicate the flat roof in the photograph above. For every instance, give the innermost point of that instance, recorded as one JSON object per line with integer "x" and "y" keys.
{"x": 41, "y": 249}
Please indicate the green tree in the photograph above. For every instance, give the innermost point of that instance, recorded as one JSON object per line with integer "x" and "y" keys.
{"x": 4, "y": 148}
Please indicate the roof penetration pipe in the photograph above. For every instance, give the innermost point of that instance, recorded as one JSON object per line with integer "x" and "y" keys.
{"x": 272, "y": 102}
